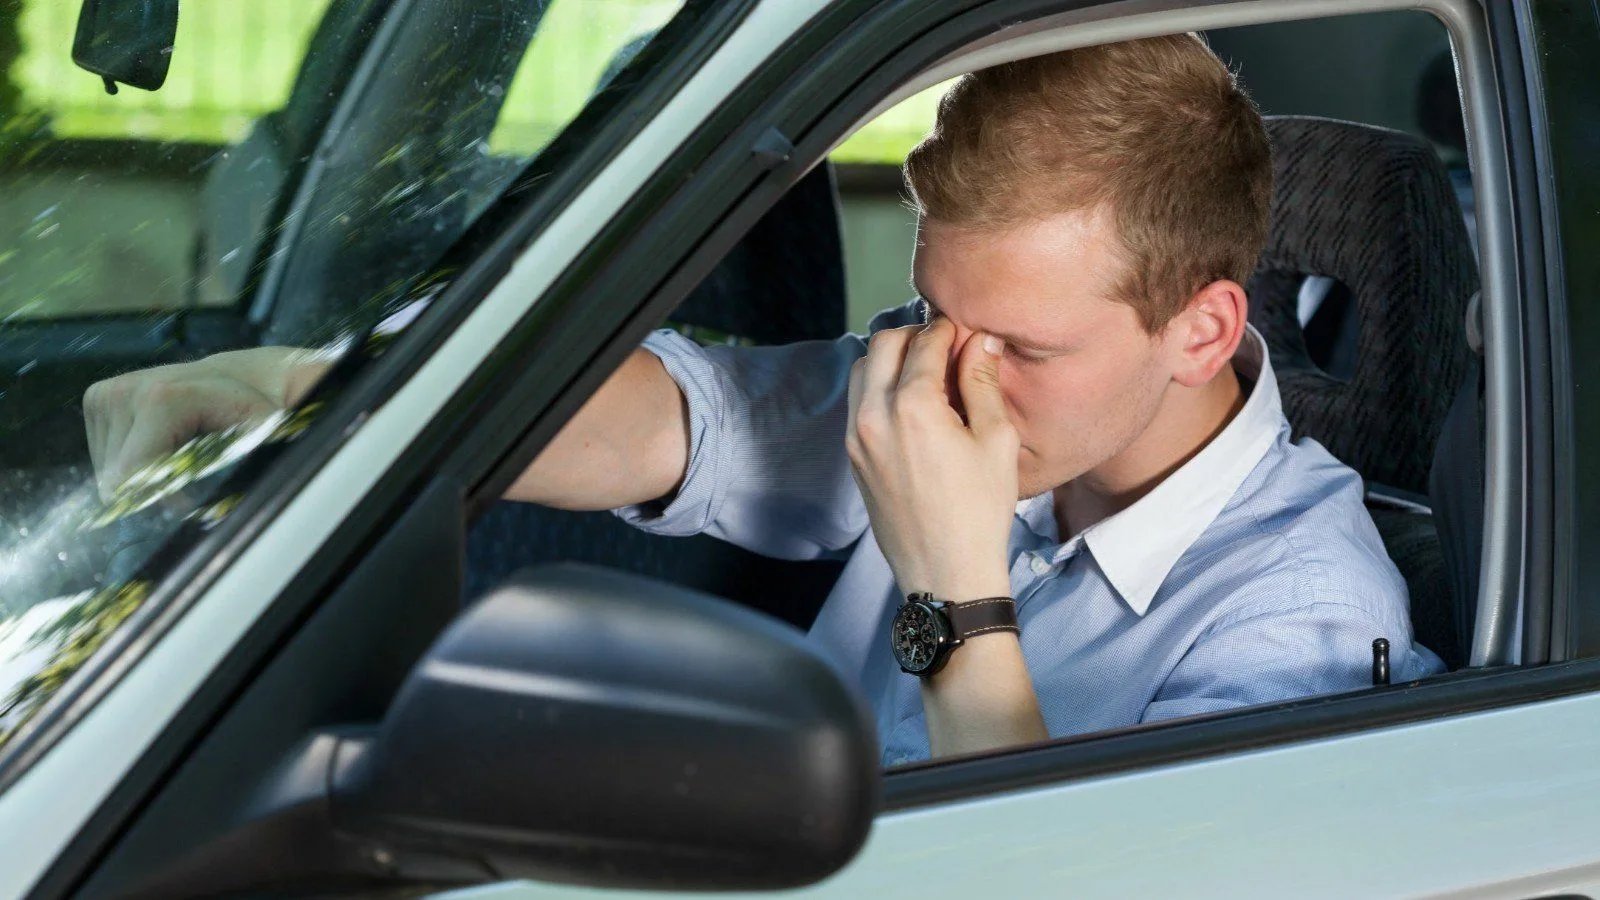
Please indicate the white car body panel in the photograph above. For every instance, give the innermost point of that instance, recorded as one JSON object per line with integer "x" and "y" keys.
{"x": 1396, "y": 812}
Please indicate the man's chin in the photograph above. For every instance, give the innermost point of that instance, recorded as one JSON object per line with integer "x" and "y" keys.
{"x": 1031, "y": 482}
{"x": 1031, "y": 485}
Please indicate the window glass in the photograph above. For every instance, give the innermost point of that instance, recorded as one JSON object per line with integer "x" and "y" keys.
{"x": 297, "y": 180}
{"x": 100, "y": 195}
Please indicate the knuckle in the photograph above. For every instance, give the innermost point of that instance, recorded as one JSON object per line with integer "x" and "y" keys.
{"x": 161, "y": 392}
{"x": 854, "y": 450}
{"x": 919, "y": 400}
{"x": 910, "y": 415}
{"x": 871, "y": 428}
{"x": 921, "y": 394}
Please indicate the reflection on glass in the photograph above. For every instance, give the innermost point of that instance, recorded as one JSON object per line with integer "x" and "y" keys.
{"x": 296, "y": 182}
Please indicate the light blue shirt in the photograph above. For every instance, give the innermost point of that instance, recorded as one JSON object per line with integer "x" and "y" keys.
{"x": 1252, "y": 574}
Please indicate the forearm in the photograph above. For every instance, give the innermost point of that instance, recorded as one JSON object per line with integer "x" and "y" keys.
{"x": 983, "y": 698}
{"x": 629, "y": 444}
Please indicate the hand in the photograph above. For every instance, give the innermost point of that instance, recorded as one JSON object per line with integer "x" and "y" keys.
{"x": 139, "y": 417}
{"x": 940, "y": 492}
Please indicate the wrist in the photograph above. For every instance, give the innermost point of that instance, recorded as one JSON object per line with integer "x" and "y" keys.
{"x": 966, "y": 586}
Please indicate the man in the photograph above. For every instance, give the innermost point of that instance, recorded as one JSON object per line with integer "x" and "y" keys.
{"x": 1073, "y": 442}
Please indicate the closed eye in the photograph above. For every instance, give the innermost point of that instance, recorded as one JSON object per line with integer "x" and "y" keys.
{"x": 1026, "y": 356}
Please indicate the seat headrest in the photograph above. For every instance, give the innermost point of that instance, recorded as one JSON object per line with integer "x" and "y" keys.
{"x": 784, "y": 281}
{"x": 1374, "y": 210}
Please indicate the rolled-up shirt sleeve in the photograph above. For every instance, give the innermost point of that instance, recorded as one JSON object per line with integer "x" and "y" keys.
{"x": 767, "y": 468}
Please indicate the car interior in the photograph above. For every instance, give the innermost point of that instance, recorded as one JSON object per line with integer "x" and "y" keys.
{"x": 1363, "y": 296}
{"x": 1366, "y": 295}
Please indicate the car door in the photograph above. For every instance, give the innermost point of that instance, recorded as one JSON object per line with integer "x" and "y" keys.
{"x": 1480, "y": 781}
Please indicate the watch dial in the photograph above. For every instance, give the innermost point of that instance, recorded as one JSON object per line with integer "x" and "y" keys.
{"x": 916, "y": 637}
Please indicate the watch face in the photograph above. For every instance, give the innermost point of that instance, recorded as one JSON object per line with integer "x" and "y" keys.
{"x": 917, "y": 635}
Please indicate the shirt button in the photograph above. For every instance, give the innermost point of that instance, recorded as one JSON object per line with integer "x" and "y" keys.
{"x": 1040, "y": 565}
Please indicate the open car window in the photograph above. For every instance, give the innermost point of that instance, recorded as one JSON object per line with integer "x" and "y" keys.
{"x": 319, "y": 228}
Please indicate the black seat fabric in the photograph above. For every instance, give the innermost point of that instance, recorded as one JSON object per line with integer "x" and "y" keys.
{"x": 783, "y": 282}
{"x": 1374, "y": 210}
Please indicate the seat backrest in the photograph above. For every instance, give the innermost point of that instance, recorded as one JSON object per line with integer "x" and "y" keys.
{"x": 1373, "y": 211}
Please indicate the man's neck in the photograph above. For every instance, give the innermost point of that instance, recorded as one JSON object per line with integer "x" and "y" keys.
{"x": 1188, "y": 420}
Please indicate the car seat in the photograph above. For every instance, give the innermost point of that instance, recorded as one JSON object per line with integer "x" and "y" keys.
{"x": 1371, "y": 213}
{"x": 247, "y": 187}
{"x": 783, "y": 282}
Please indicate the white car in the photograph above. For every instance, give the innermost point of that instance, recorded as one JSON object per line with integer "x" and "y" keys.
{"x": 251, "y": 671}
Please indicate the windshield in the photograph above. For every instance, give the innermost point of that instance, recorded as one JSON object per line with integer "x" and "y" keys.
{"x": 295, "y": 183}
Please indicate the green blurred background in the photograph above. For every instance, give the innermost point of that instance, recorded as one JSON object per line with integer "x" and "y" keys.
{"x": 221, "y": 81}
{"x": 235, "y": 60}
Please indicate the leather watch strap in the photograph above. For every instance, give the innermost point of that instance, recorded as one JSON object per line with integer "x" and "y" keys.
{"x": 976, "y": 617}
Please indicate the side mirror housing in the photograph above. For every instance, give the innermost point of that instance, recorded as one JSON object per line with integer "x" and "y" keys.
{"x": 586, "y": 725}
{"x": 579, "y": 725}
{"x": 127, "y": 41}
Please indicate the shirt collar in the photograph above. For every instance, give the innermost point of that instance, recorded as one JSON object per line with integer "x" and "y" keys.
{"x": 1137, "y": 547}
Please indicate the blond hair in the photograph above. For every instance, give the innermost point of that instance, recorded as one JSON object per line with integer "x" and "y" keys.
{"x": 1157, "y": 131}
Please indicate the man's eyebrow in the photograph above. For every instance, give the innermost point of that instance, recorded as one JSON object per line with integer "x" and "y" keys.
{"x": 1014, "y": 340}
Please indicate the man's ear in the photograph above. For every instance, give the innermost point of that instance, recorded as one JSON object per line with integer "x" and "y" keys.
{"x": 1203, "y": 337}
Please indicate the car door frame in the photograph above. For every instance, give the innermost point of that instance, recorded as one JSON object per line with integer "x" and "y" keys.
{"x": 500, "y": 400}
{"x": 1560, "y": 38}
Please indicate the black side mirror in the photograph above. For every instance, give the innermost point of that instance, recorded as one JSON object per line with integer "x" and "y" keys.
{"x": 579, "y": 725}
{"x": 127, "y": 41}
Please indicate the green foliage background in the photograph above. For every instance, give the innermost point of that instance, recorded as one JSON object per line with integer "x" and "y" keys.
{"x": 236, "y": 59}
{"x": 10, "y": 51}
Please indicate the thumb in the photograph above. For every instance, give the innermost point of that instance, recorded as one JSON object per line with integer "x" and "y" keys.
{"x": 979, "y": 381}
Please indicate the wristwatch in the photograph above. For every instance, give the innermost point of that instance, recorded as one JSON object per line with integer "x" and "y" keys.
{"x": 925, "y": 630}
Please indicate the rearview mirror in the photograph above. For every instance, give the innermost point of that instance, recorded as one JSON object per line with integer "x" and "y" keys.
{"x": 127, "y": 41}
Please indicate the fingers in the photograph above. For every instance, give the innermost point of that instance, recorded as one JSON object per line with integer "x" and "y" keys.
{"x": 857, "y": 371}
{"x": 886, "y": 355}
{"x": 928, "y": 358}
{"x": 151, "y": 436}
{"x": 108, "y": 415}
{"x": 979, "y": 381}
{"x": 138, "y": 418}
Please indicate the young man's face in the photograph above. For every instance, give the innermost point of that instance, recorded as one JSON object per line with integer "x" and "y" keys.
{"x": 1081, "y": 376}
